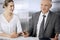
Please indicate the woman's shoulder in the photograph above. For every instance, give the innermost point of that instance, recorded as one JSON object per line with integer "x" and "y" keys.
{"x": 1, "y": 15}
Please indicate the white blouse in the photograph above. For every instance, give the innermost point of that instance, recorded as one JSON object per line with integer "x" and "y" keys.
{"x": 9, "y": 27}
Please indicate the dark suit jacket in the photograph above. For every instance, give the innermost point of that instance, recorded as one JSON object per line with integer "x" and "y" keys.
{"x": 51, "y": 26}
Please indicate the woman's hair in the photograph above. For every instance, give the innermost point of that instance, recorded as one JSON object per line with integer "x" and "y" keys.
{"x": 6, "y": 3}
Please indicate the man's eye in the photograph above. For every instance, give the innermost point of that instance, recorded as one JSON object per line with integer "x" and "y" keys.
{"x": 11, "y": 6}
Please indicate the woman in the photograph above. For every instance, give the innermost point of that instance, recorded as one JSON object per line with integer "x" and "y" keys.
{"x": 9, "y": 23}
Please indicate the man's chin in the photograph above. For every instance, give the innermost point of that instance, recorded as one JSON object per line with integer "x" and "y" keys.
{"x": 44, "y": 11}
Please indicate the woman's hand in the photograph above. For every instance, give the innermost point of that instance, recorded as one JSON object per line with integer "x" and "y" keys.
{"x": 13, "y": 35}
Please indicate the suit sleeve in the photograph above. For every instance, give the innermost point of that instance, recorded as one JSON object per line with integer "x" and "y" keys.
{"x": 31, "y": 25}
{"x": 57, "y": 25}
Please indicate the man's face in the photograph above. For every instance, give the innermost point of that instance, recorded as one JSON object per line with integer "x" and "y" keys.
{"x": 45, "y": 6}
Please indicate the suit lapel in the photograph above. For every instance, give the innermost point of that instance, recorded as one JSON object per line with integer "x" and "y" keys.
{"x": 48, "y": 19}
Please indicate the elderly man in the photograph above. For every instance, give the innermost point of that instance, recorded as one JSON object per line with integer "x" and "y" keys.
{"x": 44, "y": 24}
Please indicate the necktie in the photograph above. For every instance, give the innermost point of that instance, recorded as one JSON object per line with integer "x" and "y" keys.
{"x": 41, "y": 31}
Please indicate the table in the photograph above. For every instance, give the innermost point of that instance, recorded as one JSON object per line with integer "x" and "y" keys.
{"x": 19, "y": 38}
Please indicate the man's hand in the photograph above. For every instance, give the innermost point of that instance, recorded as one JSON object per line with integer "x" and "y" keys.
{"x": 56, "y": 37}
{"x": 25, "y": 34}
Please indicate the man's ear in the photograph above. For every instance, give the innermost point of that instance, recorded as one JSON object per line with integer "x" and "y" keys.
{"x": 50, "y": 5}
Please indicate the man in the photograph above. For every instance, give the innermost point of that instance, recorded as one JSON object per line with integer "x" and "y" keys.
{"x": 50, "y": 24}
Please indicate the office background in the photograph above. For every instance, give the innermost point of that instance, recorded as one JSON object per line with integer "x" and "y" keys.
{"x": 25, "y": 8}
{"x": 35, "y": 6}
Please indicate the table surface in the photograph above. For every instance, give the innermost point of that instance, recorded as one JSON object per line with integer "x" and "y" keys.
{"x": 19, "y": 38}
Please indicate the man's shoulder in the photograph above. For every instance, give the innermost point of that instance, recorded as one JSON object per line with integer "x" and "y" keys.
{"x": 54, "y": 14}
{"x": 36, "y": 13}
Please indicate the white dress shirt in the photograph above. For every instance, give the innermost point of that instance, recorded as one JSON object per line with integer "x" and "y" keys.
{"x": 40, "y": 20}
{"x": 9, "y": 27}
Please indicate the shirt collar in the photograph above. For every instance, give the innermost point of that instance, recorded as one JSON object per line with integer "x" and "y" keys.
{"x": 46, "y": 14}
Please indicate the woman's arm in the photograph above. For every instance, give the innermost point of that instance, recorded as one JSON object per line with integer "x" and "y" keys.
{"x": 5, "y": 35}
{"x": 19, "y": 27}
{"x": 12, "y": 35}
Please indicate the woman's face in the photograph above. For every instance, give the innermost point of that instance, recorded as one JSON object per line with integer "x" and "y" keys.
{"x": 10, "y": 7}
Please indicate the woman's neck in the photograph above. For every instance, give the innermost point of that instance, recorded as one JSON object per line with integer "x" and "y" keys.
{"x": 8, "y": 14}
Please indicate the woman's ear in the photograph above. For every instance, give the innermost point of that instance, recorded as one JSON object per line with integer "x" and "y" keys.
{"x": 4, "y": 6}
